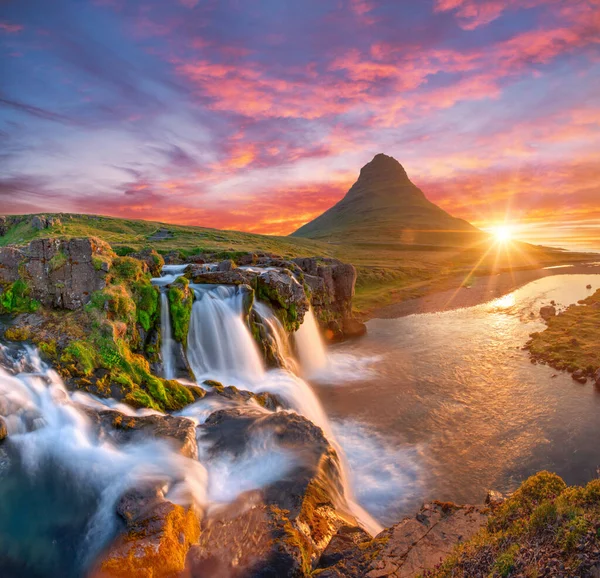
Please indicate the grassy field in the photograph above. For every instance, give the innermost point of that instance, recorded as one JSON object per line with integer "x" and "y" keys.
{"x": 387, "y": 272}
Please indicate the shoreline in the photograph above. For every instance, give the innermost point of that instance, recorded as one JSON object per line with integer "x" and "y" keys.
{"x": 483, "y": 289}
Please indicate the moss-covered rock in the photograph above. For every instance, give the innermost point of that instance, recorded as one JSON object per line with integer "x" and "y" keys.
{"x": 180, "y": 301}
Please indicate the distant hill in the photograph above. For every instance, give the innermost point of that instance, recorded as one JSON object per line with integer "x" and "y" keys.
{"x": 384, "y": 205}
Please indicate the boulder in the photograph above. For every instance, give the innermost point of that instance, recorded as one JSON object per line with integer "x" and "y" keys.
{"x": 155, "y": 543}
{"x": 198, "y": 274}
{"x": 180, "y": 432}
{"x": 547, "y": 312}
{"x": 285, "y": 294}
{"x": 154, "y": 262}
{"x": 226, "y": 265}
{"x": 406, "y": 550}
{"x": 280, "y": 530}
{"x": 63, "y": 273}
{"x": 580, "y": 376}
{"x": 3, "y": 226}
{"x": 494, "y": 499}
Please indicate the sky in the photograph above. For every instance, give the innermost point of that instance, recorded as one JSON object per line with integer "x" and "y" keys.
{"x": 257, "y": 115}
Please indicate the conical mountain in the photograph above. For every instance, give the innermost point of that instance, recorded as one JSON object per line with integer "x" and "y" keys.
{"x": 384, "y": 206}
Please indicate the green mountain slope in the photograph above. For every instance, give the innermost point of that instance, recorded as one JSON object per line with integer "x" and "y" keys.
{"x": 384, "y": 205}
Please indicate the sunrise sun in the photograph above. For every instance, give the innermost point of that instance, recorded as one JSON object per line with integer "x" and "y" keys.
{"x": 503, "y": 233}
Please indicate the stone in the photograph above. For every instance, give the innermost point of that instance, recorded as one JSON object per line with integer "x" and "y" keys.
{"x": 197, "y": 274}
{"x": 63, "y": 273}
{"x": 154, "y": 262}
{"x": 494, "y": 498}
{"x": 10, "y": 259}
{"x": 39, "y": 222}
{"x": 580, "y": 376}
{"x": 280, "y": 530}
{"x": 154, "y": 544}
{"x": 547, "y": 312}
{"x": 3, "y": 429}
{"x": 348, "y": 554}
{"x": 226, "y": 265}
{"x": 418, "y": 544}
{"x": 285, "y": 294}
{"x": 597, "y": 377}
{"x": 122, "y": 429}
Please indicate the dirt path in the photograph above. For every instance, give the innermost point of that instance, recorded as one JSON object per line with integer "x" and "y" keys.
{"x": 482, "y": 290}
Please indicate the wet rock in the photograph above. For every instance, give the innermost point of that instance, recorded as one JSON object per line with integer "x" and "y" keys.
{"x": 136, "y": 502}
{"x": 122, "y": 429}
{"x": 353, "y": 328}
{"x": 547, "y": 312}
{"x": 589, "y": 287}
{"x": 226, "y": 265}
{"x": 494, "y": 498}
{"x": 3, "y": 429}
{"x": 198, "y": 274}
{"x": 597, "y": 377}
{"x": 280, "y": 530}
{"x": 348, "y": 554}
{"x": 155, "y": 544}
{"x": 239, "y": 396}
{"x": 580, "y": 376}
{"x": 285, "y": 294}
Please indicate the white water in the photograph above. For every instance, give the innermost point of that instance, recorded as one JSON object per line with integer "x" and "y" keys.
{"x": 46, "y": 426}
{"x": 166, "y": 338}
{"x": 310, "y": 347}
{"x": 219, "y": 342}
{"x": 278, "y": 333}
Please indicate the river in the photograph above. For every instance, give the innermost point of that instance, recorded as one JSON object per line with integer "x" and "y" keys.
{"x": 447, "y": 405}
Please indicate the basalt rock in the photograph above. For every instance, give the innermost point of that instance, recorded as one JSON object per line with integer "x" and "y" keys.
{"x": 280, "y": 530}
{"x": 198, "y": 274}
{"x": 121, "y": 429}
{"x": 285, "y": 294}
{"x": 59, "y": 273}
{"x": 406, "y": 550}
{"x": 155, "y": 543}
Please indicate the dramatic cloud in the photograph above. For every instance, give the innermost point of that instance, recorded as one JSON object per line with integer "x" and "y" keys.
{"x": 258, "y": 117}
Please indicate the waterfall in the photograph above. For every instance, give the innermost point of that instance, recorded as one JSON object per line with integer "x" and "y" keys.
{"x": 278, "y": 333}
{"x": 220, "y": 345}
{"x": 309, "y": 346}
{"x": 54, "y": 447}
{"x": 166, "y": 338}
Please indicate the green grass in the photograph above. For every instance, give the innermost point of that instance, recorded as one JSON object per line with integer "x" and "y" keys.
{"x": 572, "y": 339}
{"x": 542, "y": 522}
{"x": 388, "y": 272}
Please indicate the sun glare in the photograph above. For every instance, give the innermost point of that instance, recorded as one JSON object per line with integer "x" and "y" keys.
{"x": 503, "y": 234}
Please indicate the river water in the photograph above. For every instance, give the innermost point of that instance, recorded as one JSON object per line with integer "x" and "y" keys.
{"x": 446, "y": 406}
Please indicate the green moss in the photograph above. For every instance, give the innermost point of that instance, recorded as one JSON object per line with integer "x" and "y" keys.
{"x": 146, "y": 296}
{"x": 127, "y": 269}
{"x": 48, "y": 348}
{"x": 82, "y": 355}
{"x": 505, "y": 563}
{"x": 180, "y": 301}
{"x": 16, "y": 299}
{"x": 58, "y": 260}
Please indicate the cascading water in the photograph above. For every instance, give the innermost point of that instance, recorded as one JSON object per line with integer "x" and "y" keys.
{"x": 166, "y": 339}
{"x": 278, "y": 333}
{"x": 220, "y": 345}
{"x": 309, "y": 346}
{"x": 58, "y": 465}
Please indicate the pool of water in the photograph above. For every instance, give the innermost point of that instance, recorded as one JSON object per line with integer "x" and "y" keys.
{"x": 448, "y": 405}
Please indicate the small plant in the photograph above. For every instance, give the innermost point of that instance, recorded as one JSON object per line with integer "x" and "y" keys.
{"x": 58, "y": 260}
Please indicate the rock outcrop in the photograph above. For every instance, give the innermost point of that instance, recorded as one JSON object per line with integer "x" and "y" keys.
{"x": 59, "y": 273}
{"x": 281, "y": 530}
{"x": 406, "y": 550}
